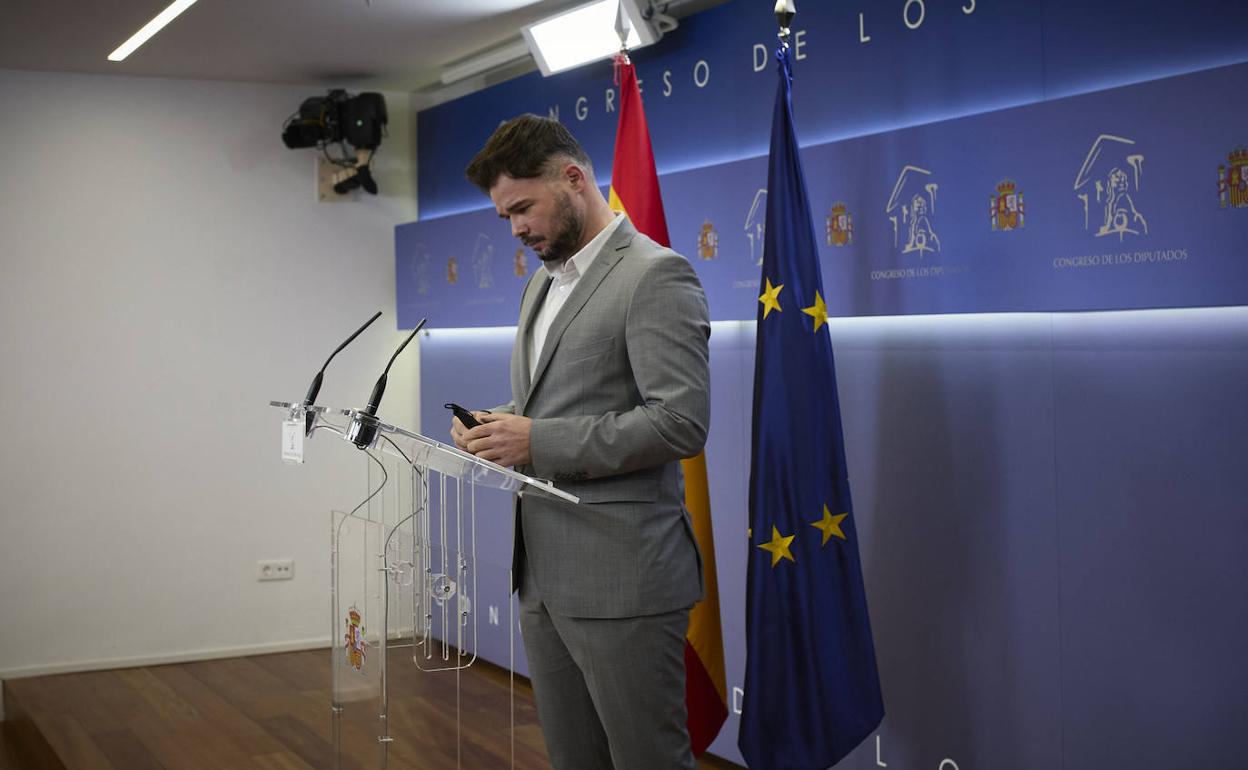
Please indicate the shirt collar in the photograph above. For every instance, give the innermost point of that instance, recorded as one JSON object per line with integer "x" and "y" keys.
{"x": 578, "y": 264}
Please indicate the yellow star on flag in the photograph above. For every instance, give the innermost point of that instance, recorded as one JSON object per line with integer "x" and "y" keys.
{"x": 778, "y": 547}
{"x": 770, "y": 298}
{"x": 818, "y": 310}
{"x": 830, "y": 525}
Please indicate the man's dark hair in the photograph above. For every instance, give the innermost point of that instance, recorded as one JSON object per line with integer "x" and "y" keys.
{"x": 522, "y": 148}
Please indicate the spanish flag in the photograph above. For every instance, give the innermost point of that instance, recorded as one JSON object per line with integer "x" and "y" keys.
{"x": 635, "y": 191}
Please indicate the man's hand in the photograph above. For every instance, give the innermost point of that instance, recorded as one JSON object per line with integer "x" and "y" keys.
{"x": 500, "y": 438}
{"x": 458, "y": 431}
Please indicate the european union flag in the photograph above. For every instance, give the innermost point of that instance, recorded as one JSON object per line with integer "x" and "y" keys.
{"x": 812, "y": 689}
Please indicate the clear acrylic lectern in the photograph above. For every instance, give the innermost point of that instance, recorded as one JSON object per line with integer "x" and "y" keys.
{"x": 404, "y": 573}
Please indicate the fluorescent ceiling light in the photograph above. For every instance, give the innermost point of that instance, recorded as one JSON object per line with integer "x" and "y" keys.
{"x": 497, "y": 57}
{"x": 151, "y": 28}
{"x": 585, "y": 34}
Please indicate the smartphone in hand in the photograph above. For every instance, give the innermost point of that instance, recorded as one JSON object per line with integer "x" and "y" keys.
{"x": 464, "y": 415}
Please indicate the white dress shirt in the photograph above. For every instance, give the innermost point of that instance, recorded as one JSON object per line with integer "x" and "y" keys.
{"x": 565, "y": 278}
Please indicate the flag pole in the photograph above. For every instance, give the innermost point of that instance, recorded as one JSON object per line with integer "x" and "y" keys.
{"x": 784, "y": 17}
{"x": 635, "y": 192}
{"x": 622, "y": 28}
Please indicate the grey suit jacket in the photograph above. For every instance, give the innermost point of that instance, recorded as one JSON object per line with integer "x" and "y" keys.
{"x": 620, "y": 394}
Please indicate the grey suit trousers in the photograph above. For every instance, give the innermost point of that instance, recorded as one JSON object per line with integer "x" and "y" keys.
{"x": 610, "y": 691}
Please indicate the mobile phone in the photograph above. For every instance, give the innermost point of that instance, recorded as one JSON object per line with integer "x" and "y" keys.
{"x": 464, "y": 415}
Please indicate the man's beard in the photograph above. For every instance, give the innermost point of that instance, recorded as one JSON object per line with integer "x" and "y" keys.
{"x": 566, "y": 238}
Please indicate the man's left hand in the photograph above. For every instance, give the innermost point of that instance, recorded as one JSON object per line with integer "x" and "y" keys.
{"x": 501, "y": 438}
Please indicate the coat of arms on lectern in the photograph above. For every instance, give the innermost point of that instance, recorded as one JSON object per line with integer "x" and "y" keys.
{"x": 353, "y": 640}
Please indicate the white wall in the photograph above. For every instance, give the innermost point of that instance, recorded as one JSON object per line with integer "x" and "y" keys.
{"x": 165, "y": 271}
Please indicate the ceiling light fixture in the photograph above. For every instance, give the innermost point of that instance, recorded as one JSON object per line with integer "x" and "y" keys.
{"x": 587, "y": 33}
{"x": 484, "y": 62}
{"x": 151, "y": 28}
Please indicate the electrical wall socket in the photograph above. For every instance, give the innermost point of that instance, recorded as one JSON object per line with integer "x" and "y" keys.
{"x": 275, "y": 569}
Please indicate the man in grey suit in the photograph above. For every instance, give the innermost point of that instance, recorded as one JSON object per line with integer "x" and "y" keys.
{"x": 610, "y": 389}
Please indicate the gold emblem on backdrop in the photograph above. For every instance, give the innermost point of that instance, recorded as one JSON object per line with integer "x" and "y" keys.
{"x": 521, "y": 264}
{"x": 708, "y": 241}
{"x": 1006, "y": 208}
{"x": 1233, "y": 180}
{"x": 452, "y": 271}
{"x": 840, "y": 226}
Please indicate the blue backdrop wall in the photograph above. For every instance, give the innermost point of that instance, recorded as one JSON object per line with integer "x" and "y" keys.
{"x": 709, "y": 85}
{"x": 1050, "y": 503}
{"x": 1113, "y": 200}
{"x": 1051, "y": 513}
{"x": 1016, "y": 157}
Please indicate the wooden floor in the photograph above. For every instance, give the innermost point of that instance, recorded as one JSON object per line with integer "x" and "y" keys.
{"x": 268, "y": 712}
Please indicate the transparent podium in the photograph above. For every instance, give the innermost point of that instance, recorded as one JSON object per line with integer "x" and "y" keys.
{"x": 403, "y": 579}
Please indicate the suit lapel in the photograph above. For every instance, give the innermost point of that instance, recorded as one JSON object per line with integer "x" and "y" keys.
{"x": 611, "y": 253}
{"x": 534, "y": 296}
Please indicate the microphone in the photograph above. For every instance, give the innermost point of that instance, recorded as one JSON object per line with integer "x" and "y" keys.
{"x": 363, "y": 430}
{"x": 315, "y": 387}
